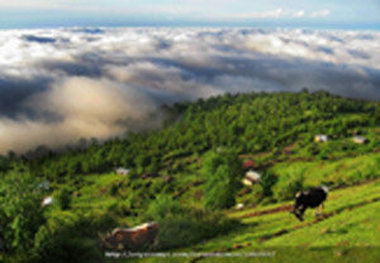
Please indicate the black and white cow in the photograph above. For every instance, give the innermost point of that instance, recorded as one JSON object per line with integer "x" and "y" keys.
{"x": 311, "y": 198}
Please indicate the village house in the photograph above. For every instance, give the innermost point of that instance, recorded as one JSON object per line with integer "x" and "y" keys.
{"x": 47, "y": 201}
{"x": 239, "y": 206}
{"x": 248, "y": 164}
{"x": 359, "y": 140}
{"x": 122, "y": 171}
{"x": 321, "y": 138}
{"x": 251, "y": 177}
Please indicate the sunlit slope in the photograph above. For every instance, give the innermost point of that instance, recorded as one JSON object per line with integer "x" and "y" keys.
{"x": 351, "y": 217}
{"x": 348, "y": 230}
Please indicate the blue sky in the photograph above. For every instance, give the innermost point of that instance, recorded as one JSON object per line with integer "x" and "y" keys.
{"x": 291, "y": 13}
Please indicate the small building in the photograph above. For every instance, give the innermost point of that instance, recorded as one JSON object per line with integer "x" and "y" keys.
{"x": 248, "y": 164}
{"x": 47, "y": 201}
{"x": 239, "y": 206}
{"x": 359, "y": 139}
{"x": 321, "y": 138}
{"x": 251, "y": 177}
{"x": 122, "y": 171}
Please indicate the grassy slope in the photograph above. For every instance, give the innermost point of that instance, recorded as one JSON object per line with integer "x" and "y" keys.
{"x": 350, "y": 229}
{"x": 95, "y": 189}
{"x": 349, "y": 169}
{"x": 348, "y": 232}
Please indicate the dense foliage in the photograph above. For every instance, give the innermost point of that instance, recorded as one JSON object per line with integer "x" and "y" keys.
{"x": 20, "y": 211}
{"x": 182, "y": 225}
{"x": 222, "y": 172}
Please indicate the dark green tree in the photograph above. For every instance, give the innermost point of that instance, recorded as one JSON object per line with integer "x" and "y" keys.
{"x": 222, "y": 171}
{"x": 21, "y": 213}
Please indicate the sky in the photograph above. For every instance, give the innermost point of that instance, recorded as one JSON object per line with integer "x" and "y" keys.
{"x": 346, "y": 14}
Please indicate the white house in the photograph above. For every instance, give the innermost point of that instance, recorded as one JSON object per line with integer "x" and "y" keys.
{"x": 321, "y": 138}
{"x": 239, "y": 206}
{"x": 47, "y": 201}
{"x": 251, "y": 177}
{"x": 359, "y": 140}
{"x": 122, "y": 171}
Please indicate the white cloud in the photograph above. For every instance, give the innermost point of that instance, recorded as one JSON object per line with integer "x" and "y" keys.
{"x": 300, "y": 13}
{"x": 321, "y": 13}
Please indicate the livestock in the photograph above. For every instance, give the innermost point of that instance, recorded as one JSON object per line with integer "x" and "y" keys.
{"x": 132, "y": 239}
{"x": 311, "y": 198}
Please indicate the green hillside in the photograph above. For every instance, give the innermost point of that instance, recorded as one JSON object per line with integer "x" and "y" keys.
{"x": 187, "y": 176}
{"x": 347, "y": 232}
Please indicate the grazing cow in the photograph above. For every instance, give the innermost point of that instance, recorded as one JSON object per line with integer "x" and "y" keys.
{"x": 309, "y": 199}
{"x": 137, "y": 238}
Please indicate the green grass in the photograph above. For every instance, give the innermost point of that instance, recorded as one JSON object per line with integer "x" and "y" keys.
{"x": 352, "y": 232}
{"x": 346, "y": 234}
{"x": 338, "y": 200}
{"x": 336, "y": 172}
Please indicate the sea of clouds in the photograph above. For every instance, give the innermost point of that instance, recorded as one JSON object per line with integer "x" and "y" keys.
{"x": 60, "y": 85}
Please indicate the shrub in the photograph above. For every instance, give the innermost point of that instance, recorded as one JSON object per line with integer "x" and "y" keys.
{"x": 181, "y": 226}
{"x": 163, "y": 207}
{"x": 267, "y": 181}
{"x": 69, "y": 237}
{"x": 222, "y": 172}
{"x": 64, "y": 199}
{"x": 185, "y": 229}
{"x": 21, "y": 213}
{"x": 323, "y": 155}
{"x": 287, "y": 186}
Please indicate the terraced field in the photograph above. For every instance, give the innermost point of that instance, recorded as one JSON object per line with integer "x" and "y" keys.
{"x": 348, "y": 231}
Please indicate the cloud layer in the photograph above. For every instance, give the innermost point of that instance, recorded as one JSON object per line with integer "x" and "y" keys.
{"x": 57, "y": 86}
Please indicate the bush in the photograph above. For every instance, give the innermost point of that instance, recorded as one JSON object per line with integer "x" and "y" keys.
{"x": 267, "y": 181}
{"x": 323, "y": 155}
{"x": 287, "y": 186}
{"x": 182, "y": 226}
{"x": 222, "y": 172}
{"x": 21, "y": 213}
{"x": 187, "y": 229}
{"x": 64, "y": 198}
{"x": 69, "y": 237}
{"x": 163, "y": 207}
